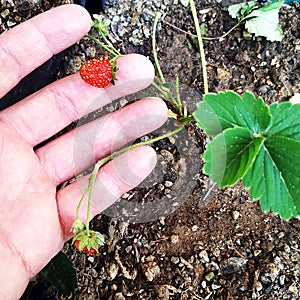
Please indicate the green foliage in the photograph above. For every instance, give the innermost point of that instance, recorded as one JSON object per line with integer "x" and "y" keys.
{"x": 263, "y": 21}
{"x": 256, "y": 143}
{"x": 241, "y": 10}
{"x": 100, "y": 25}
{"x": 60, "y": 273}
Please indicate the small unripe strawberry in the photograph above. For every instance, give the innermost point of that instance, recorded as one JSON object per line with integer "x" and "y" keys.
{"x": 77, "y": 226}
{"x": 98, "y": 72}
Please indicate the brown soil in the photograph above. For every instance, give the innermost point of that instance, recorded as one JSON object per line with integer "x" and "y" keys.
{"x": 213, "y": 245}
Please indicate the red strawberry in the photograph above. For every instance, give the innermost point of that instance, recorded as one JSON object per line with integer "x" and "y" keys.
{"x": 85, "y": 249}
{"x": 98, "y": 72}
{"x": 88, "y": 241}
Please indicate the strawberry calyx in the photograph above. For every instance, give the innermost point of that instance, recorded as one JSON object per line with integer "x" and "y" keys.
{"x": 88, "y": 241}
{"x": 114, "y": 70}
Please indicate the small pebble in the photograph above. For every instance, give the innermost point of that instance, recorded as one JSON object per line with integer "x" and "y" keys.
{"x": 112, "y": 270}
{"x": 10, "y": 23}
{"x": 162, "y": 221}
{"x": 204, "y": 256}
{"x": 175, "y": 259}
{"x": 119, "y": 296}
{"x": 185, "y": 3}
{"x": 151, "y": 270}
{"x": 91, "y": 259}
{"x": 210, "y": 276}
{"x": 4, "y": 13}
{"x": 215, "y": 286}
{"x": 94, "y": 273}
{"x": 235, "y": 215}
{"x": 257, "y": 252}
{"x": 293, "y": 288}
{"x": 282, "y": 279}
{"x": 287, "y": 248}
{"x": 263, "y": 89}
{"x": 194, "y": 228}
{"x": 168, "y": 183}
{"x": 233, "y": 265}
{"x": 258, "y": 286}
{"x": 174, "y": 239}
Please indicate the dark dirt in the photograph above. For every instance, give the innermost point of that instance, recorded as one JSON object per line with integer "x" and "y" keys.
{"x": 214, "y": 245}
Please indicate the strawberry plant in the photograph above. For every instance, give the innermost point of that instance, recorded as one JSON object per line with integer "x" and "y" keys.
{"x": 255, "y": 143}
{"x": 250, "y": 141}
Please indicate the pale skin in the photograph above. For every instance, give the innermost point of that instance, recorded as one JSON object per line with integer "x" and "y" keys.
{"x": 35, "y": 220}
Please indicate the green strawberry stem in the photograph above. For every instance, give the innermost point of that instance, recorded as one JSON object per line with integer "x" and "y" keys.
{"x": 162, "y": 86}
{"x": 225, "y": 34}
{"x": 177, "y": 93}
{"x": 107, "y": 46}
{"x": 186, "y": 119}
{"x": 103, "y": 161}
{"x": 80, "y": 202}
{"x": 201, "y": 47}
{"x": 206, "y": 37}
{"x": 165, "y": 92}
{"x": 92, "y": 179}
{"x": 110, "y": 44}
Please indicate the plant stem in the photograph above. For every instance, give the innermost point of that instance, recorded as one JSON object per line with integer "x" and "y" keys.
{"x": 177, "y": 92}
{"x": 92, "y": 180}
{"x": 204, "y": 37}
{"x": 201, "y": 47}
{"x": 226, "y": 33}
{"x": 166, "y": 93}
{"x": 160, "y": 74}
{"x": 186, "y": 119}
{"x": 110, "y": 44}
{"x": 80, "y": 202}
{"x": 106, "y": 159}
{"x": 109, "y": 49}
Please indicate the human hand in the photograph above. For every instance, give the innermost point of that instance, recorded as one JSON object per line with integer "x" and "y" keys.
{"x": 35, "y": 220}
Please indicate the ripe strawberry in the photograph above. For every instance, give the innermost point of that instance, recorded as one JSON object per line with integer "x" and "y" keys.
{"x": 85, "y": 249}
{"x": 88, "y": 241}
{"x": 98, "y": 72}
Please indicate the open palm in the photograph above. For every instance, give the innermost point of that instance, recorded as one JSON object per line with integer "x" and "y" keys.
{"x": 35, "y": 219}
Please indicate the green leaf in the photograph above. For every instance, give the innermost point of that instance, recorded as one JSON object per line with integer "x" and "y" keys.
{"x": 60, "y": 272}
{"x": 256, "y": 143}
{"x": 274, "y": 177}
{"x": 230, "y": 155}
{"x": 285, "y": 120}
{"x": 264, "y": 21}
{"x": 227, "y": 109}
{"x": 240, "y": 10}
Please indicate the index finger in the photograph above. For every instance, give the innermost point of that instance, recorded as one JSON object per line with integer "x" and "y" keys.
{"x": 30, "y": 44}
